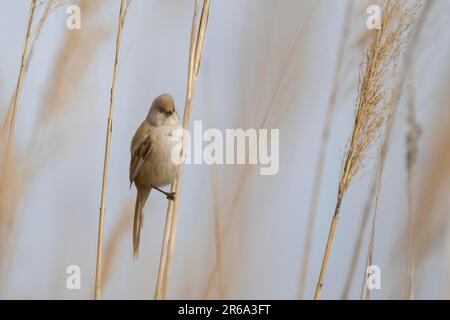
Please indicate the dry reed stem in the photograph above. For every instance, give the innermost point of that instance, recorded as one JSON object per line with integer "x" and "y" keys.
{"x": 377, "y": 93}
{"x": 15, "y": 102}
{"x": 195, "y": 53}
{"x": 267, "y": 119}
{"x": 318, "y": 174}
{"x": 50, "y": 7}
{"x": 7, "y": 159}
{"x": 98, "y": 273}
{"x": 8, "y": 123}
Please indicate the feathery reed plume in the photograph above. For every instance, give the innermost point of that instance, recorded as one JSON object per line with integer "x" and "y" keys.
{"x": 195, "y": 53}
{"x": 371, "y": 198}
{"x": 414, "y": 132}
{"x": 124, "y": 4}
{"x": 318, "y": 174}
{"x": 378, "y": 91}
{"x": 268, "y": 118}
{"x": 409, "y": 20}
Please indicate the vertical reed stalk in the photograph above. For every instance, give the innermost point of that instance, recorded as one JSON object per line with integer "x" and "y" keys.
{"x": 312, "y": 213}
{"x": 16, "y": 100}
{"x": 196, "y": 49}
{"x": 412, "y": 140}
{"x": 411, "y": 156}
{"x": 98, "y": 273}
{"x": 217, "y": 208}
{"x": 379, "y": 179}
{"x": 326, "y": 256}
{"x": 358, "y": 244}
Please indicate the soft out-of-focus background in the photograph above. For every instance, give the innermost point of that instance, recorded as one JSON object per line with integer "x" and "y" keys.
{"x": 262, "y": 59}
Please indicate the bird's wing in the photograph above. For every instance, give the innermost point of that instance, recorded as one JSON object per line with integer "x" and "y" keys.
{"x": 139, "y": 155}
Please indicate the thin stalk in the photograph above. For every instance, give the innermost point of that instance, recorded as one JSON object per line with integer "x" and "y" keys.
{"x": 159, "y": 294}
{"x": 365, "y": 293}
{"x": 318, "y": 175}
{"x": 195, "y": 53}
{"x": 98, "y": 273}
{"x": 358, "y": 244}
{"x": 218, "y": 234}
{"x": 218, "y": 225}
{"x": 218, "y": 239}
{"x": 412, "y": 141}
{"x": 343, "y": 184}
{"x": 268, "y": 117}
{"x": 413, "y": 137}
{"x": 16, "y": 99}
{"x": 326, "y": 256}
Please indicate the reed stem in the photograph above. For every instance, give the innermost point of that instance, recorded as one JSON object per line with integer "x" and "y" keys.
{"x": 16, "y": 100}
{"x": 326, "y": 256}
{"x": 318, "y": 174}
{"x": 195, "y": 53}
{"x": 98, "y": 273}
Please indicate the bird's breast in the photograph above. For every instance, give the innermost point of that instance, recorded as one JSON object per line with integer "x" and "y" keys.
{"x": 160, "y": 169}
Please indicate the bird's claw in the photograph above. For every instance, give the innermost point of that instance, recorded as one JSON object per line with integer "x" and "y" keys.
{"x": 171, "y": 196}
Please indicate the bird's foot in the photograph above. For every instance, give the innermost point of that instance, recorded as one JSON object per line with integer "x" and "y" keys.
{"x": 171, "y": 196}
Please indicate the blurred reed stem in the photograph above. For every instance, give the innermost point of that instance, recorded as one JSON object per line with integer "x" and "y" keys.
{"x": 266, "y": 122}
{"x": 359, "y": 242}
{"x": 411, "y": 156}
{"x": 318, "y": 174}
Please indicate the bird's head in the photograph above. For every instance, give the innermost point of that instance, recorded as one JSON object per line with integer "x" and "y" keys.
{"x": 162, "y": 110}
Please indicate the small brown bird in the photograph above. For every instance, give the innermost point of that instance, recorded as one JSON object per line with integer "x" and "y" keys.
{"x": 151, "y": 165}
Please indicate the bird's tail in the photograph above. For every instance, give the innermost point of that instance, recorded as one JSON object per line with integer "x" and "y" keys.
{"x": 141, "y": 197}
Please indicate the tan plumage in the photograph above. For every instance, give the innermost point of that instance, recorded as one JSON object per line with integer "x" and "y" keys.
{"x": 151, "y": 165}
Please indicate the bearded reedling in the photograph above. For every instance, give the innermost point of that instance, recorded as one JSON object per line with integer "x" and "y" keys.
{"x": 151, "y": 165}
